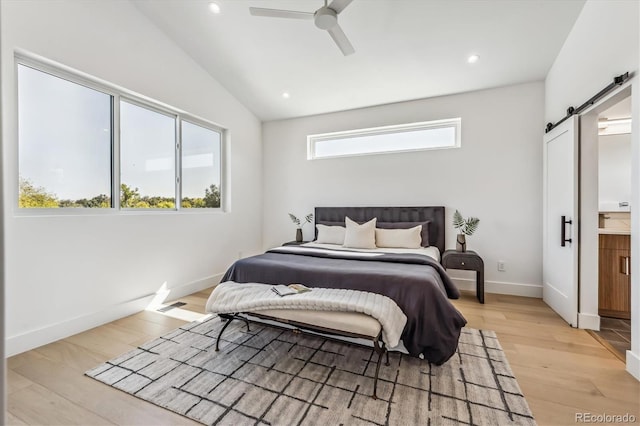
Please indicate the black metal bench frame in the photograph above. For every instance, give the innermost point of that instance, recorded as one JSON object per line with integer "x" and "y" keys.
{"x": 378, "y": 345}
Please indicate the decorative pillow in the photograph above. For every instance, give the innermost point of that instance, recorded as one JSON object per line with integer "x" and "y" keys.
{"x": 399, "y": 238}
{"x": 360, "y": 236}
{"x": 330, "y": 234}
{"x": 407, "y": 225}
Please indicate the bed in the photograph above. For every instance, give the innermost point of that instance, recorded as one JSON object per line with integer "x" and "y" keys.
{"x": 414, "y": 280}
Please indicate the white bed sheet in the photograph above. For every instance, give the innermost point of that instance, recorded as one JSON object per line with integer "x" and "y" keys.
{"x": 431, "y": 251}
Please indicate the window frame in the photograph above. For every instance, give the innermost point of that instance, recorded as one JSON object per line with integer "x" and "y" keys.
{"x": 455, "y": 123}
{"x": 63, "y": 73}
{"x": 200, "y": 123}
{"x": 176, "y": 152}
{"x": 119, "y": 94}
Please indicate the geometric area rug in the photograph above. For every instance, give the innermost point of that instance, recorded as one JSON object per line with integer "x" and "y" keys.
{"x": 271, "y": 376}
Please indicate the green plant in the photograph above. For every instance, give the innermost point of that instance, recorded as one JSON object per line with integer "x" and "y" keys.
{"x": 465, "y": 226}
{"x": 307, "y": 219}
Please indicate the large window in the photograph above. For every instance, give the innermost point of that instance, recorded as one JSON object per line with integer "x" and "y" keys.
{"x": 389, "y": 139}
{"x": 65, "y": 143}
{"x": 83, "y": 143}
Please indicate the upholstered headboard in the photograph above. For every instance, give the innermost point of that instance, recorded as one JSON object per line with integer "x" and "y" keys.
{"x": 331, "y": 215}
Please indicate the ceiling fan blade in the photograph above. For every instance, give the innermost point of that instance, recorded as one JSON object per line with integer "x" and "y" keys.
{"x": 339, "y": 5}
{"x": 280, "y": 13}
{"x": 341, "y": 40}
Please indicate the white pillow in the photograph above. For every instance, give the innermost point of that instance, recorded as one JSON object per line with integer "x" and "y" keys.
{"x": 330, "y": 234}
{"x": 399, "y": 238}
{"x": 360, "y": 236}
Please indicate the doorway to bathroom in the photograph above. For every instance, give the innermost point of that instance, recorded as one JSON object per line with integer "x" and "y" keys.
{"x": 614, "y": 227}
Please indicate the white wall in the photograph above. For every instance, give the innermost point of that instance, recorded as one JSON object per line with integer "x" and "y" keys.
{"x": 68, "y": 273}
{"x": 603, "y": 43}
{"x": 3, "y": 365}
{"x": 633, "y": 356}
{"x": 496, "y": 175}
{"x": 614, "y": 171}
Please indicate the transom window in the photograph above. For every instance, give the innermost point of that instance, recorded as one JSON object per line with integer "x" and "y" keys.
{"x": 421, "y": 136}
{"x": 84, "y": 144}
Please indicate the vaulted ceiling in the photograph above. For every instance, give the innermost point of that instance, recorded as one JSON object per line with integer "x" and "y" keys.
{"x": 405, "y": 49}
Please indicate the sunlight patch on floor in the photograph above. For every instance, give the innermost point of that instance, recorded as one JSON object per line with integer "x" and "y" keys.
{"x": 182, "y": 314}
{"x": 185, "y": 315}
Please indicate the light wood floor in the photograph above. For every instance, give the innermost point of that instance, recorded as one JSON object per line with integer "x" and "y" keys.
{"x": 562, "y": 371}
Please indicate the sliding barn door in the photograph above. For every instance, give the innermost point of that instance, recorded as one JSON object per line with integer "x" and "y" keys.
{"x": 560, "y": 220}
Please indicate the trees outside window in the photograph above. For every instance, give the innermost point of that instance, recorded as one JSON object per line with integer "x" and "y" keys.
{"x": 70, "y": 129}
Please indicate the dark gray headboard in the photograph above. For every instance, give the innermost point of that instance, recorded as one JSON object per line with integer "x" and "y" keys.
{"x": 324, "y": 215}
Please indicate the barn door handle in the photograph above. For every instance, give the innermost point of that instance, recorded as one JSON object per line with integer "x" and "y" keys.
{"x": 563, "y": 227}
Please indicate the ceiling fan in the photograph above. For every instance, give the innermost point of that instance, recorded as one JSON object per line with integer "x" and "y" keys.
{"x": 325, "y": 18}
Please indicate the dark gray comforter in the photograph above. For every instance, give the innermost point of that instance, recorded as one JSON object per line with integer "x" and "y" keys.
{"x": 419, "y": 285}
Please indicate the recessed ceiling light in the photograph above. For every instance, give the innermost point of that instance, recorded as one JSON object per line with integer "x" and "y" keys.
{"x": 214, "y": 7}
{"x": 286, "y": 95}
{"x": 473, "y": 59}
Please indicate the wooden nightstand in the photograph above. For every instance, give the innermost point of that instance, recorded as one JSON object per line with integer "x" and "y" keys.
{"x": 468, "y": 261}
{"x": 295, "y": 243}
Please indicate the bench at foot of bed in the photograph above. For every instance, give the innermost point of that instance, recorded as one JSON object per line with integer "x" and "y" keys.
{"x": 333, "y": 323}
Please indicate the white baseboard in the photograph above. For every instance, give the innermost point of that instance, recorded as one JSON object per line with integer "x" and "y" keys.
{"x": 589, "y": 321}
{"x": 42, "y": 336}
{"x": 633, "y": 365}
{"x": 35, "y": 338}
{"x": 499, "y": 287}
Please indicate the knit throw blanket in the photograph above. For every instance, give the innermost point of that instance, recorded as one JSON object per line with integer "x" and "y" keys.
{"x": 231, "y": 297}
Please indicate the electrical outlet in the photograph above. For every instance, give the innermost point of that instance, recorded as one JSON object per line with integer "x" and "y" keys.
{"x": 501, "y": 266}
{"x": 239, "y": 255}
